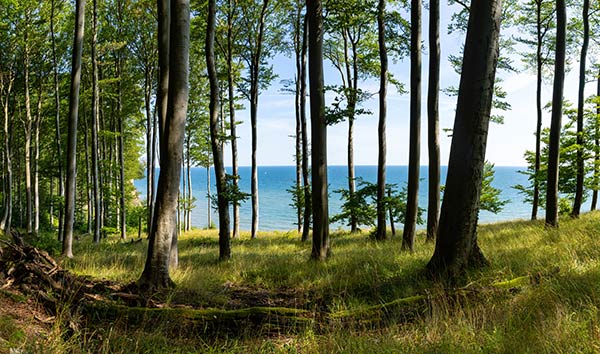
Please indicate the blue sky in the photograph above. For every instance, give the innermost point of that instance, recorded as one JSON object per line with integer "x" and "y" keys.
{"x": 506, "y": 143}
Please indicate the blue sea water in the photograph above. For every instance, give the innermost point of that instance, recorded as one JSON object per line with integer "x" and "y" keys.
{"x": 275, "y": 212}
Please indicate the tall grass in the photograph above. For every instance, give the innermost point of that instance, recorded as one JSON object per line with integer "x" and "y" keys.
{"x": 556, "y": 314}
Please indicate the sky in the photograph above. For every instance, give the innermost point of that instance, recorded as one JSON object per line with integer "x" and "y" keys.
{"x": 506, "y": 146}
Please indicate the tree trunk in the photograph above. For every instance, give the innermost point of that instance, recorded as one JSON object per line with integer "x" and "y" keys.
{"x": 580, "y": 108}
{"x": 188, "y": 220}
{"x": 59, "y": 157}
{"x": 433, "y": 120}
{"x": 232, "y": 122}
{"x": 156, "y": 270}
{"x": 320, "y": 207}
{"x": 305, "y": 151}
{"x": 5, "y": 224}
{"x": 28, "y": 131}
{"x": 94, "y": 126}
{"x": 381, "y": 232}
{"x": 223, "y": 203}
{"x": 596, "y": 147}
{"x": 36, "y": 163}
{"x": 88, "y": 175}
{"x": 149, "y": 146}
{"x": 208, "y": 198}
{"x": 555, "y": 123}
{"x": 414, "y": 159}
{"x": 456, "y": 245}
{"x": 254, "y": 92}
{"x": 120, "y": 120}
{"x": 298, "y": 107}
{"x": 164, "y": 23}
{"x": 67, "y": 249}
{"x": 538, "y": 100}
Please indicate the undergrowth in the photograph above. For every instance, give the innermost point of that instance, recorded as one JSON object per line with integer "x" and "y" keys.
{"x": 558, "y": 313}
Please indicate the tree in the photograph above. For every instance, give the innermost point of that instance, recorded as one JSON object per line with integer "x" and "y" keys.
{"x": 320, "y": 205}
{"x": 94, "y": 127}
{"x": 412, "y": 205}
{"x": 555, "y": 123}
{"x": 67, "y": 250}
{"x": 380, "y": 233}
{"x": 580, "y": 108}
{"x": 543, "y": 13}
{"x": 433, "y": 138}
{"x": 156, "y": 269}
{"x": 596, "y": 173}
{"x": 456, "y": 244}
{"x": 222, "y": 201}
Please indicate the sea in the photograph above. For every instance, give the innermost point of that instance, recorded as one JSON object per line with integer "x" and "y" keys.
{"x": 277, "y": 213}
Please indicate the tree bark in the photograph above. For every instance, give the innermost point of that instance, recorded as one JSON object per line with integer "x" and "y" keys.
{"x": 320, "y": 207}
{"x": 305, "y": 151}
{"x": 36, "y": 162}
{"x": 298, "y": 108}
{"x": 596, "y": 147}
{"x": 538, "y": 100}
{"x": 580, "y": 108}
{"x": 232, "y": 122}
{"x": 5, "y": 224}
{"x": 156, "y": 270}
{"x": 414, "y": 159}
{"x": 28, "y": 130}
{"x": 223, "y": 203}
{"x": 433, "y": 121}
{"x": 555, "y": 123}
{"x": 67, "y": 249}
{"x": 381, "y": 232}
{"x": 94, "y": 126}
{"x": 59, "y": 157}
{"x": 456, "y": 245}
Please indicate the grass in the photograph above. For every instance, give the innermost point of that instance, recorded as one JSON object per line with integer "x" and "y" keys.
{"x": 558, "y": 313}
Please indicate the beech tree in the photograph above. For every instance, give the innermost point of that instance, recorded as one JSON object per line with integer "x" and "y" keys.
{"x": 433, "y": 138}
{"x": 320, "y": 202}
{"x": 156, "y": 269}
{"x": 67, "y": 248}
{"x": 555, "y": 123}
{"x": 456, "y": 243}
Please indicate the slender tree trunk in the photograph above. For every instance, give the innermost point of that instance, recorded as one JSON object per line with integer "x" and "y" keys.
{"x": 232, "y": 122}
{"x": 298, "y": 108}
{"x": 36, "y": 163}
{"x": 208, "y": 199}
{"x": 381, "y": 232}
{"x": 538, "y": 99}
{"x": 59, "y": 157}
{"x": 188, "y": 221}
{"x": 149, "y": 146}
{"x": 412, "y": 204}
{"x": 580, "y": 108}
{"x": 223, "y": 203}
{"x": 392, "y": 226}
{"x": 94, "y": 126}
{"x": 320, "y": 207}
{"x": 433, "y": 121}
{"x": 456, "y": 245}
{"x": 305, "y": 150}
{"x": 254, "y": 92}
{"x": 7, "y": 215}
{"x": 28, "y": 131}
{"x": 156, "y": 270}
{"x": 120, "y": 119}
{"x": 88, "y": 174}
{"x": 555, "y": 123}
{"x": 596, "y": 147}
{"x": 67, "y": 249}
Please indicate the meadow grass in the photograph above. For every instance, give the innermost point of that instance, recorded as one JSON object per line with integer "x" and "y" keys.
{"x": 558, "y": 313}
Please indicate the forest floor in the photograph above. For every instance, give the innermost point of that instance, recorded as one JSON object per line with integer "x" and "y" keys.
{"x": 541, "y": 293}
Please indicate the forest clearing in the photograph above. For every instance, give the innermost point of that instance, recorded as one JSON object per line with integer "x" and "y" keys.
{"x": 539, "y": 294}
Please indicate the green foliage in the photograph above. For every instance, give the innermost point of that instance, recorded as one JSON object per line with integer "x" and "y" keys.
{"x": 490, "y": 196}
{"x": 298, "y": 197}
{"x": 232, "y": 193}
{"x": 363, "y": 204}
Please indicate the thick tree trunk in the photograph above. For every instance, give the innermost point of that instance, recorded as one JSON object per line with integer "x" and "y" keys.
{"x": 59, "y": 157}
{"x": 538, "y": 100}
{"x": 150, "y": 127}
{"x": 456, "y": 245}
{"x": 156, "y": 270}
{"x": 164, "y": 23}
{"x": 381, "y": 232}
{"x": 94, "y": 126}
{"x": 580, "y": 108}
{"x": 67, "y": 249}
{"x": 223, "y": 203}
{"x": 433, "y": 121}
{"x": 414, "y": 159}
{"x": 305, "y": 151}
{"x": 555, "y": 123}
{"x": 320, "y": 207}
